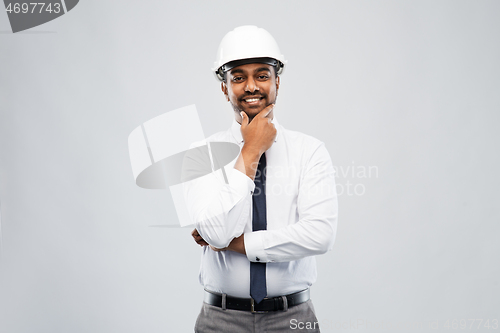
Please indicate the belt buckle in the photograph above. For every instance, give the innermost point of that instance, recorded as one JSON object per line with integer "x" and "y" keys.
{"x": 252, "y": 307}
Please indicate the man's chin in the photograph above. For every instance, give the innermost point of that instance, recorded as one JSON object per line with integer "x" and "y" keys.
{"x": 252, "y": 112}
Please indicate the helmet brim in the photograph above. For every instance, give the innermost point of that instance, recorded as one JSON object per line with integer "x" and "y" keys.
{"x": 240, "y": 62}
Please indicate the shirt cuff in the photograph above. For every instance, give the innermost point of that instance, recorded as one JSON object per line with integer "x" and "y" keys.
{"x": 240, "y": 183}
{"x": 254, "y": 246}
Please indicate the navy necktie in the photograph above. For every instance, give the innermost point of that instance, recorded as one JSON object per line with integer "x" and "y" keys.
{"x": 258, "y": 289}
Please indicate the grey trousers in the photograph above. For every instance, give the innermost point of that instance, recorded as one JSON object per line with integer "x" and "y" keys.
{"x": 300, "y": 318}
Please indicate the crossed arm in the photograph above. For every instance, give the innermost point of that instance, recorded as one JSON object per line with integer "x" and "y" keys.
{"x": 236, "y": 245}
{"x": 313, "y": 233}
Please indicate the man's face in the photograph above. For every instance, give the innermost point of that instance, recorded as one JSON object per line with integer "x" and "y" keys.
{"x": 251, "y": 88}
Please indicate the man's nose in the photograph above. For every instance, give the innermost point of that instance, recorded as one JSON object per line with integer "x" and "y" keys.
{"x": 251, "y": 86}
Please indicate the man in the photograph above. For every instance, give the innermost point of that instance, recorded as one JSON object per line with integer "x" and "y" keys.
{"x": 262, "y": 219}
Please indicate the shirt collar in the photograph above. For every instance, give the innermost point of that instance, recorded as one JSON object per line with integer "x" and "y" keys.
{"x": 236, "y": 130}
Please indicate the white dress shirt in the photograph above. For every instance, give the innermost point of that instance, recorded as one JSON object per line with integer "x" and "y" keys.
{"x": 301, "y": 215}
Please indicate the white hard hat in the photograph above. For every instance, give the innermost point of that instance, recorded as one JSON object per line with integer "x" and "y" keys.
{"x": 247, "y": 43}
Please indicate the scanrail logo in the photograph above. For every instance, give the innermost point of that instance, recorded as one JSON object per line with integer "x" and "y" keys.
{"x": 25, "y": 15}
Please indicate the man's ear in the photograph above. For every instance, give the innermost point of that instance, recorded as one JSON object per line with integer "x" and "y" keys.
{"x": 223, "y": 87}
{"x": 277, "y": 84}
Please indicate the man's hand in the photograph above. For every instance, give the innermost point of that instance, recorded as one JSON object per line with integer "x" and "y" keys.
{"x": 198, "y": 239}
{"x": 259, "y": 135}
{"x": 236, "y": 245}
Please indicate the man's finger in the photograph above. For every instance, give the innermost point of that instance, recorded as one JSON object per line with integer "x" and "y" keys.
{"x": 244, "y": 119}
{"x": 218, "y": 250}
{"x": 197, "y": 237}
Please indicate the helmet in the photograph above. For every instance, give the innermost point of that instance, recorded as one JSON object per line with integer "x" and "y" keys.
{"x": 247, "y": 44}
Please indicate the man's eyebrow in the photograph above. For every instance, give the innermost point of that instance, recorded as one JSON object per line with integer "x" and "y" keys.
{"x": 262, "y": 69}
{"x": 240, "y": 71}
{"x": 236, "y": 71}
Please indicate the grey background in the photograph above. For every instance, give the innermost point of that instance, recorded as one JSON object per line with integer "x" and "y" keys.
{"x": 408, "y": 87}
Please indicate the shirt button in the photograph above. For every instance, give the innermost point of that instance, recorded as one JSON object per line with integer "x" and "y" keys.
{"x": 251, "y": 192}
{"x": 257, "y": 258}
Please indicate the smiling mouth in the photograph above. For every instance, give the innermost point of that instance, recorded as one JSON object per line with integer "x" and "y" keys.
{"x": 252, "y": 100}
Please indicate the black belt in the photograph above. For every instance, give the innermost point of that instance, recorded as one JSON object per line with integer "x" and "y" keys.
{"x": 248, "y": 304}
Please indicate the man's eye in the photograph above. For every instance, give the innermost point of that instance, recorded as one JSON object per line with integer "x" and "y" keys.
{"x": 263, "y": 77}
{"x": 237, "y": 79}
